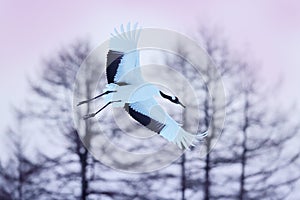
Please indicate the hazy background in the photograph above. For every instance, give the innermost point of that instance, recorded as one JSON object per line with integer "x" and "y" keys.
{"x": 263, "y": 32}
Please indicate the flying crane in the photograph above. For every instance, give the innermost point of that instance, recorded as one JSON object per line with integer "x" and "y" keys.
{"x": 127, "y": 89}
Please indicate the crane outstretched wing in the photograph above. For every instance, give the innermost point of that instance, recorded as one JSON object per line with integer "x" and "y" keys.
{"x": 151, "y": 115}
{"x": 123, "y": 65}
{"x": 140, "y": 112}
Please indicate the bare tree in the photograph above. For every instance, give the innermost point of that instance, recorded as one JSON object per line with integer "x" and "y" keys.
{"x": 22, "y": 174}
{"x": 75, "y": 172}
{"x": 73, "y": 168}
{"x": 265, "y": 157}
{"x": 251, "y": 114}
{"x": 196, "y": 171}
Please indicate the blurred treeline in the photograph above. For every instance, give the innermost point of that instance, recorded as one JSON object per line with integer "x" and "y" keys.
{"x": 256, "y": 156}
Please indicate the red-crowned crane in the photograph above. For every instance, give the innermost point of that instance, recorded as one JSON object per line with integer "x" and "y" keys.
{"x": 126, "y": 88}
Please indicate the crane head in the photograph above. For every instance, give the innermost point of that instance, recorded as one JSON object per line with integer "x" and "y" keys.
{"x": 173, "y": 99}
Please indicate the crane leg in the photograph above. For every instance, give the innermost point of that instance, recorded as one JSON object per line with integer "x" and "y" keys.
{"x": 95, "y": 113}
{"x": 100, "y": 95}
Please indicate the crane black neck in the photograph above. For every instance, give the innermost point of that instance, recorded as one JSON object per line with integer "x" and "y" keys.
{"x": 167, "y": 97}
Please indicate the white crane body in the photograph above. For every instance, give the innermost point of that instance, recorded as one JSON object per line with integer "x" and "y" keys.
{"x": 126, "y": 88}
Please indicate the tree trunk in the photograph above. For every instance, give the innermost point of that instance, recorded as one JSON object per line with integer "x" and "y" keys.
{"x": 84, "y": 151}
{"x": 183, "y": 177}
{"x": 20, "y": 178}
{"x": 207, "y": 177}
{"x": 244, "y": 146}
{"x": 242, "y": 178}
{"x": 207, "y": 158}
{"x": 84, "y": 182}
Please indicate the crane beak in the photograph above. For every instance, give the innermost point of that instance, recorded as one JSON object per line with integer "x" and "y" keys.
{"x": 182, "y": 105}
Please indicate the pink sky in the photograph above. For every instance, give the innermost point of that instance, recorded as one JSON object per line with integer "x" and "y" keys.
{"x": 268, "y": 30}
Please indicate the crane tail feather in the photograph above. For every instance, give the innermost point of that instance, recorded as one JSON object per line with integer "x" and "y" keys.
{"x": 185, "y": 139}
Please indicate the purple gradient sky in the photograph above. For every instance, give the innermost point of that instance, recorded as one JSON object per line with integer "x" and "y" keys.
{"x": 268, "y": 30}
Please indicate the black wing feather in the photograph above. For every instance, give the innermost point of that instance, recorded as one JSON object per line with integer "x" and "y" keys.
{"x": 145, "y": 120}
{"x": 113, "y": 60}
